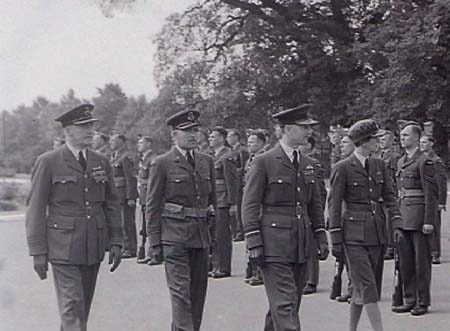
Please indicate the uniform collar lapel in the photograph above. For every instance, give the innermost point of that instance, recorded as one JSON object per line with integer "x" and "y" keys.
{"x": 282, "y": 157}
{"x": 411, "y": 159}
{"x": 356, "y": 164}
{"x": 70, "y": 160}
{"x": 181, "y": 159}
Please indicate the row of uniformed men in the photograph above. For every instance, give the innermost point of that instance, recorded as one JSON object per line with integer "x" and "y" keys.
{"x": 73, "y": 202}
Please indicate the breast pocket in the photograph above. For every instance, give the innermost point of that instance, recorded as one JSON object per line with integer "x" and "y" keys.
{"x": 177, "y": 185}
{"x": 280, "y": 189}
{"x": 64, "y": 187}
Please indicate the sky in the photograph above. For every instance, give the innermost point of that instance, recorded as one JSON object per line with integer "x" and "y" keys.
{"x": 48, "y": 47}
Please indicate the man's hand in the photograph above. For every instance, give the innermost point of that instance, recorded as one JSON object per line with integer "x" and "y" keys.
{"x": 337, "y": 251}
{"x": 427, "y": 229}
{"x": 398, "y": 235}
{"x": 40, "y": 264}
{"x": 115, "y": 256}
{"x": 323, "y": 252}
{"x": 131, "y": 203}
{"x": 157, "y": 253}
{"x": 256, "y": 256}
{"x": 233, "y": 210}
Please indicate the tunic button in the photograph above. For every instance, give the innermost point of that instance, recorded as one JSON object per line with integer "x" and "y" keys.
{"x": 88, "y": 217}
{"x": 87, "y": 203}
{"x": 86, "y": 189}
{"x": 370, "y": 178}
{"x": 55, "y": 225}
{"x": 85, "y": 176}
{"x": 274, "y": 224}
{"x": 298, "y": 189}
{"x": 370, "y": 190}
{"x": 312, "y": 181}
{"x": 280, "y": 181}
{"x": 298, "y": 203}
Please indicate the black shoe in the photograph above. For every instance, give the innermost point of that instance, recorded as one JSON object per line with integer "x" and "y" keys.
{"x": 128, "y": 255}
{"x": 309, "y": 289}
{"x": 154, "y": 262}
{"x": 144, "y": 260}
{"x": 436, "y": 260}
{"x": 419, "y": 310}
{"x": 221, "y": 274}
{"x": 402, "y": 309}
{"x": 238, "y": 237}
{"x": 343, "y": 298}
{"x": 256, "y": 281}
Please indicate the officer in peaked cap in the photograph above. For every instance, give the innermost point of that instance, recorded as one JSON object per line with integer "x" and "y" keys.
{"x": 71, "y": 205}
{"x": 282, "y": 215}
{"x": 180, "y": 199}
{"x": 359, "y": 187}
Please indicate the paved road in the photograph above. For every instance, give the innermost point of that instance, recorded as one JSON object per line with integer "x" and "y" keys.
{"x": 136, "y": 298}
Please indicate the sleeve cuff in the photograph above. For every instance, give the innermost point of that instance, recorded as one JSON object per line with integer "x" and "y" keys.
{"x": 253, "y": 239}
{"x": 336, "y": 236}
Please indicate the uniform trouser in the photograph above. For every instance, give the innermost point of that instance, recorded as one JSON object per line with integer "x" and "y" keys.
{"x": 415, "y": 267}
{"x": 312, "y": 269}
{"x": 390, "y": 244}
{"x": 436, "y": 236}
{"x": 284, "y": 283}
{"x": 142, "y": 230}
{"x": 129, "y": 228}
{"x": 223, "y": 250}
{"x": 75, "y": 285}
{"x": 365, "y": 265}
{"x": 187, "y": 279}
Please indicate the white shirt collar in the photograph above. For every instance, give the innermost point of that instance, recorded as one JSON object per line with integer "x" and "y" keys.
{"x": 76, "y": 151}
{"x": 289, "y": 150}
{"x": 360, "y": 158}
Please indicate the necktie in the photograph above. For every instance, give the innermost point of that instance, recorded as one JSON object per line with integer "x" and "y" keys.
{"x": 366, "y": 165}
{"x": 295, "y": 159}
{"x": 190, "y": 159}
{"x": 82, "y": 160}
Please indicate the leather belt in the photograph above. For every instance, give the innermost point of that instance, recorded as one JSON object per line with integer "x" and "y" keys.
{"x": 366, "y": 206}
{"x": 410, "y": 192}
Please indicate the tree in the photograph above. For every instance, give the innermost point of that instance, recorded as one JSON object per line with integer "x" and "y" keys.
{"x": 111, "y": 100}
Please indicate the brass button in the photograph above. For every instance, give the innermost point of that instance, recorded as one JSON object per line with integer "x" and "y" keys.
{"x": 87, "y": 203}
{"x": 370, "y": 190}
{"x": 86, "y": 176}
{"x": 298, "y": 189}
{"x": 86, "y": 189}
{"x": 88, "y": 217}
{"x": 55, "y": 225}
{"x": 280, "y": 181}
{"x": 274, "y": 224}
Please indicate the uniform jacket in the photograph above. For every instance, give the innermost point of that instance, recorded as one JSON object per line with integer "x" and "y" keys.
{"x": 354, "y": 202}
{"x": 173, "y": 180}
{"x": 71, "y": 211}
{"x": 143, "y": 172}
{"x": 417, "y": 173}
{"x": 290, "y": 203}
{"x": 124, "y": 174}
{"x": 227, "y": 179}
{"x": 238, "y": 157}
{"x": 441, "y": 178}
{"x": 390, "y": 158}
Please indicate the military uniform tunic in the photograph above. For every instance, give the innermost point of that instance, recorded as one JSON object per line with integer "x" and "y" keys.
{"x": 69, "y": 213}
{"x": 177, "y": 201}
{"x": 282, "y": 210}
{"x": 418, "y": 194}
{"x": 357, "y": 220}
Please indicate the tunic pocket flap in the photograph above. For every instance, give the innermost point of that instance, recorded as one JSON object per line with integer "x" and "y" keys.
{"x": 279, "y": 179}
{"x": 354, "y": 216}
{"x": 64, "y": 179}
{"x": 61, "y": 223}
{"x": 279, "y": 222}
